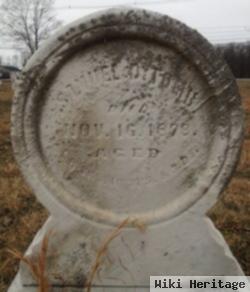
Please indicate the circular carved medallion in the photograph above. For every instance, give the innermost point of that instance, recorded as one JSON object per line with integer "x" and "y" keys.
{"x": 126, "y": 114}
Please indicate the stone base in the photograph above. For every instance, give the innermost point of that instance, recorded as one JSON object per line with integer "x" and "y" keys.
{"x": 184, "y": 246}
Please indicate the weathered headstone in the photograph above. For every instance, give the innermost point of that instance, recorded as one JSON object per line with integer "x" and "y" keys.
{"x": 127, "y": 114}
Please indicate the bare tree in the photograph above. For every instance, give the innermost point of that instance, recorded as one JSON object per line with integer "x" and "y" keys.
{"x": 28, "y": 22}
{"x": 237, "y": 55}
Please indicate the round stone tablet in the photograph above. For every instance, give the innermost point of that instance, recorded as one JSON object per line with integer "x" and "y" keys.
{"x": 126, "y": 113}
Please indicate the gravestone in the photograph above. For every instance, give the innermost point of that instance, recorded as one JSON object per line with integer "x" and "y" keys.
{"x": 127, "y": 114}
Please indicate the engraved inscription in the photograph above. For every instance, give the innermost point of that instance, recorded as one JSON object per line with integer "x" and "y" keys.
{"x": 128, "y": 125}
{"x": 135, "y": 152}
{"x": 130, "y": 130}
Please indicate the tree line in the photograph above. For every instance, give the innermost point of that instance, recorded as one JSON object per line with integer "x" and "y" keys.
{"x": 237, "y": 55}
{"x": 29, "y": 22}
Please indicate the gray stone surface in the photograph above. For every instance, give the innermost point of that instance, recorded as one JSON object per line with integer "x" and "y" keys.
{"x": 128, "y": 114}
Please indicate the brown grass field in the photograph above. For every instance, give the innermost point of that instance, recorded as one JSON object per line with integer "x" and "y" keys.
{"x": 21, "y": 215}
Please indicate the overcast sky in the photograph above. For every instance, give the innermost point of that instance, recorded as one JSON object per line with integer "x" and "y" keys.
{"x": 218, "y": 20}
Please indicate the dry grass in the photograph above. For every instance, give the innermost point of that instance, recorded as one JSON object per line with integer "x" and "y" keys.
{"x": 21, "y": 215}
{"x": 231, "y": 216}
{"x": 37, "y": 266}
{"x": 101, "y": 253}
